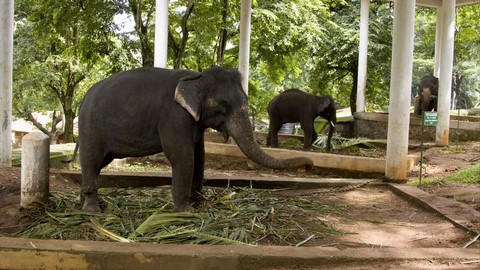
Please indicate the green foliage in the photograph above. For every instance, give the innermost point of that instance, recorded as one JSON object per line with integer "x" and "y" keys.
{"x": 62, "y": 48}
{"x": 466, "y": 53}
{"x": 469, "y": 176}
{"x": 466, "y": 176}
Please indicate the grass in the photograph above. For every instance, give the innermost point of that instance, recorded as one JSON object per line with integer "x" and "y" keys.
{"x": 227, "y": 216}
{"x": 470, "y": 175}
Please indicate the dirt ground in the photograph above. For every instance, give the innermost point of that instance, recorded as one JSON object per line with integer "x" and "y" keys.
{"x": 375, "y": 216}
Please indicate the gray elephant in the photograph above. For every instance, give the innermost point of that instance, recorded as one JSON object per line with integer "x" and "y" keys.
{"x": 149, "y": 110}
{"x": 294, "y": 105}
{"x": 427, "y": 93}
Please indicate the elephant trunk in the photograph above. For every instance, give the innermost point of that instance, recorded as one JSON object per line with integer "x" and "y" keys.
{"x": 239, "y": 127}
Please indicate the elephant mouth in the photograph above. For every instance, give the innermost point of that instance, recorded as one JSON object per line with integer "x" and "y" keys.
{"x": 220, "y": 127}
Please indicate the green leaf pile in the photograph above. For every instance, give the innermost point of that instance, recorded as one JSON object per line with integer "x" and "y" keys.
{"x": 226, "y": 216}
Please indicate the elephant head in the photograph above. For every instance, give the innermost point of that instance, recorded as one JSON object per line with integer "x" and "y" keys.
{"x": 426, "y": 99}
{"x": 215, "y": 99}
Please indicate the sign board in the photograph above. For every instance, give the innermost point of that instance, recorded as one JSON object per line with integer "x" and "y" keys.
{"x": 430, "y": 118}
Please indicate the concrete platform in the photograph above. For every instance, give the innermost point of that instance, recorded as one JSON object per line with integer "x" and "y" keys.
{"x": 324, "y": 160}
{"x": 135, "y": 179}
{"x": 22, "y": 253}
{"x": 18, "y": 253}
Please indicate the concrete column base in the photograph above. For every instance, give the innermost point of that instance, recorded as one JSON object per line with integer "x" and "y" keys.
{"x": 35, "y": 169}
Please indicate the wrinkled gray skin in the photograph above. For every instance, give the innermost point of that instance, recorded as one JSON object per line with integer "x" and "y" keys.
{"x": 426, "y": 99}
{"x": 149, "y": 110}
{"x": 294, "y": 105}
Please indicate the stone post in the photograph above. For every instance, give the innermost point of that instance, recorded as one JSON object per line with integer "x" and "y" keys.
{"x": 35, "y": 169}
{"x": 400, "y": 89}
{"x": 244, "y": 47}
{"x": 6, "y": 69}
{"x": 161, "y": 34}
{"x": 362, "y": 55}
{"x": 445, "y": 74}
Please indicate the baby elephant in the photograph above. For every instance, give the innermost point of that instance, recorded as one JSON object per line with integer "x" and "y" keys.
{"x": 293, "y": 106}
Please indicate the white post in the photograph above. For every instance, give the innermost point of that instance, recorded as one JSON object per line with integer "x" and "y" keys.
{"x": 400, "y": 85}
{"x": 161, "y": 33}
{"x": 446, "y": 67}
{"x": 362, "y": 55}
{"x": 6, "y": 70}
{"x": 438, "y": 43}
{"x": 35, "y": 169}
{"x": 244, "y": 54}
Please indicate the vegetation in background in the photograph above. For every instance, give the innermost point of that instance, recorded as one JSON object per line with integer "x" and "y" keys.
{"x": 61, "y": 49}
{"x": 468, "y": 175}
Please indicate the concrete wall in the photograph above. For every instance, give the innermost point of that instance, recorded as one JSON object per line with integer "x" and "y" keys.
{"x": 374, "y": 125}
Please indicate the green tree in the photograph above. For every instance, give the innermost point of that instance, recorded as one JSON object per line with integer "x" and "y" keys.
{"x": 58, "y": 50}
{"x": 466, "y": 84}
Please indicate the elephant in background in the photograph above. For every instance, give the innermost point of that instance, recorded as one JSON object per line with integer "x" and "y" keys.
{"x": 294, "y": 105}
{"x": 150, "y": 110}
{"x": 427, "y": 93}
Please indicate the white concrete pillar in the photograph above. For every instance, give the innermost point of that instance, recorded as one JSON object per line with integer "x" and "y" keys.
{"x": 446, "y": 68}
{"x": 400, "y": 85}
{"x": 438, "y": 43}
{"x": 35, "y": 169}
{"x": 6, "y": 69}
{"x": 161, "y": 34}
{"x": 362, "y": 55}
{"x": 244, "y": 49}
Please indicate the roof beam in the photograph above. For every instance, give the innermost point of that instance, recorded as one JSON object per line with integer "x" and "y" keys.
{"x": 438, "y": 3}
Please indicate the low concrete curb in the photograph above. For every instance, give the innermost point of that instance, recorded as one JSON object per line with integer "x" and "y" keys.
{"x": 324, "y": 160}
{"x": 18, "y": 253}
{"x": 136, "y": 179}
{"x": 459, "y": 214}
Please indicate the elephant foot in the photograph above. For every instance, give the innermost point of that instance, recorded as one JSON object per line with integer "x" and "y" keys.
{"x": 183, "y": 208}
{"x": 90, "y": 202}
{"x": 91, "y": 208}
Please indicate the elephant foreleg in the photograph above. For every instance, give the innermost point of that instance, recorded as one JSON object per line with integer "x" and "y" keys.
{"x": 426, "y": 96}
{"x": 330, "y": 134}
{"x": 309, "y": 134}
{"x": 417, "y": 109}
{"x": 198, "y": 172}
{"x": 181, "y": 157}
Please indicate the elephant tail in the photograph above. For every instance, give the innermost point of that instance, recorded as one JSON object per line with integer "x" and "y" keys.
{"x": 74, "y": 154}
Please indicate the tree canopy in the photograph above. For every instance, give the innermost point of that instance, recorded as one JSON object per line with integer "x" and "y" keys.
{"x": 61, "y": 48}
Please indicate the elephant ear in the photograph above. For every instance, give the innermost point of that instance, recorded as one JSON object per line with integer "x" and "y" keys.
{"x": 322, "y": 104}
{"x": 187, "y": 95}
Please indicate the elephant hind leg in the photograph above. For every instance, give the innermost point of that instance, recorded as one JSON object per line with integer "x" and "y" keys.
{"x": 89, "y": 188}
{"x": 272, "y": 137}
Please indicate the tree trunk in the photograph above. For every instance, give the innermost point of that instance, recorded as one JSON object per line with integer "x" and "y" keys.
{"x": 69, "y": 116}
{"x": 353, "y": 93}
{"x": 179, "y": 48}
{"x": 142, "y": 31}
{"x": 222, "y": 43}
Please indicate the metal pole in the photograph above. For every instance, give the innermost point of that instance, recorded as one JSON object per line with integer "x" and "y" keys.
{"x": 421, "y": 142}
